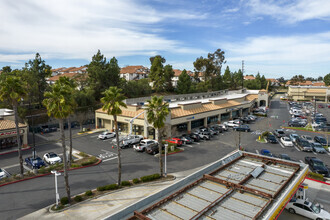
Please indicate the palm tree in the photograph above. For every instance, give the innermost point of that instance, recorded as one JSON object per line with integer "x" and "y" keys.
{"x": 12, "y": 90}
{"x": 157, "y": 111}
{"x": 112, "y": 103}
{"x": 59, "y": 104}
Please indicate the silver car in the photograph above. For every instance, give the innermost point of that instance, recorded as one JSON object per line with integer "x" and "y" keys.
{"x": 318, "y": 148}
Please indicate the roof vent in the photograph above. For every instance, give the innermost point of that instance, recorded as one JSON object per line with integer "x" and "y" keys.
{"x": 257, "y": 171}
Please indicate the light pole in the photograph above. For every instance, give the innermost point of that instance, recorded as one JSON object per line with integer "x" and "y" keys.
{"x": 165, "y": 173}
{"x": 57, "y": 196}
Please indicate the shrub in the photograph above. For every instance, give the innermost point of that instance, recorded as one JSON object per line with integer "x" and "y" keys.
{"x": 83, "y": 154}
{"x": 136, "y": 181}
{"x": 92, "y": 160}
{"x": 265, "y": 134}
{"x": 316, "y": 176}
{"x": 125, "y": 183}
{"x": 75, "y": 165}
{"x": 100, "y": 188}
{"x": 88, "y": 193}
{"x": 111, "y": 187}
{"x": 150, "y": 177}
{"x": 78, "y": 198}
{"x": 64, "y": 200}
{"x": 43, "y": 170}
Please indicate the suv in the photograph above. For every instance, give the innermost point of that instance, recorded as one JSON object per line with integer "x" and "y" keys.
{"x": 317, "y": 166}
{"x": 205, "y": 135}
{"x": 153, "y": 149}
{"x": 245, "y": 128}
{"x": 271, "y": 139}
{"x": 144, "y": 144}
{"x": 128, "y": 141}
{"x": 279, "y": 133}
{"x": 304, "y": 145}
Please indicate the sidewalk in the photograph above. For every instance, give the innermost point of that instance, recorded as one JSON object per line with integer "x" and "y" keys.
{"x": 109, "y": 204}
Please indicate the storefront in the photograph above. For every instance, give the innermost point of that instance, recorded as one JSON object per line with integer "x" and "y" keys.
{"x": 8, "y": 137}
{"x": 197, "y": 123}
{"x": 225, "y": 116}
{"x": 212, "y": 120}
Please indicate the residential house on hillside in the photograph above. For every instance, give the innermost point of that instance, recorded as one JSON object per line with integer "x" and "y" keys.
{"x": 177, "y": 73}
{"x": 306, "y": 83}
{"x": 249, "y": 77}
{"x": 134, "y": 72}
{"x": 273, "y": 82}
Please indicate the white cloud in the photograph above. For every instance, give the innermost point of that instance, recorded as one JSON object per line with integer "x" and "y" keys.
{"x": 291, "y": 11}
{"x": 298, "y": 53}
{"x": 75, "y": 29}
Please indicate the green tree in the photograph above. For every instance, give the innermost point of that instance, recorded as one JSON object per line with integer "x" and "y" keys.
{"x": 227, "y": 78}
{"x": 157, "y": 110}
{"x": 156, "y": 74}
{"x": 184, "y": 83}
{"x": 36, "y": 73}
{"x": 113, "y": 101}
{"x": 297, "y": 79}
{"x": 326, "y": 79}
{"x": 137, "y": 88}
{"x": 163, "y": 60}
{"x": 59, "y": 103}
{"x": 12, "y": 91}
{"x": 85, "y": 103}
{"x": 102, "y": 74}
{"x": 263, "y": 82}
{"x": 168, "y": 75}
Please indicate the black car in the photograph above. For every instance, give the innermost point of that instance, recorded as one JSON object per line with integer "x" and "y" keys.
{"x": 317, "y": 166}
{"x": 294, "y": 123}
{"x": 244, "y": 128}
{"x": 217, "y": 128}
{"x": 271, "y": 139}
{"x": 320, "y": 140}
{"x": 279, "y": 133}
{"x": 246, "y": 119}
{"x": 193, "y": 136}
{"x": 284, "y": 157}
{"x": 153, "y": 149}
{"x": 304, "y": 145}
{"x": 186, "y": 139}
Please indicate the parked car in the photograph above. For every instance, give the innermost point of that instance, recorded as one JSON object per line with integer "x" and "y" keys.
{"x": 106, "y": 135}
{"x": 266, "y": 152}
{"x": 252, "y": 117}
{"x": 3, "y": 173}
{"x": 205, "y": 135}
{"x": 176, "y": 141}
{"x": 304, "y": 145}
{"x": 279, "y": 133}
{"x": 271, "y": 139}
{"x": 153, "y": 149}
{"x": 320, "y": 106}
{"x": 217, "y": 128}
{"x": 317, "y": 166}
{"x": 186, "y": 140}
{"x": 307, "y": 138}
{"x": 318, "y": 148}
{"x": 307, "y": 209}
{"x": 193, "y": 136}
{"x": 128, "y": 141}
{"x": 286, "y": 141}
{"x": 320, "y": 140}
{"x": 244, "y": 128}
{"x": 284, "y": 157}
{"x": 223, "y": 126}
{"x": 142, "y": 146}
{"x": 52, "y": 158}
{"x": 35, "y": 163}
{"x": 296, "y": 123}
{"x": 231, "y": 124}
{"x": 246, "y": 119}
{"x": 293, "y": 137}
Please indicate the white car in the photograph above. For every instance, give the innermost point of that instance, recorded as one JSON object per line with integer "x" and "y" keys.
{"x": 3, "y": 174}
{"x": 307, "y": 209}
{"x": 231, "y": 124}
{"x": 286, "y": 141}
{"x": 106, "y": 135}
{"x": 52, "y": 158}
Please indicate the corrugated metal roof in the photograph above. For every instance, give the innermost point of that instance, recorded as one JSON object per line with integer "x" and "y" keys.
{"x": 230, "y": 192}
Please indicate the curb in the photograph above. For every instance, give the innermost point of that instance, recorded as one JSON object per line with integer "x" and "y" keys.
{"x": 173, "y": 153}
{"x": 13, "y": 151}
{"x": 318, "y": 181}
{"x": 303, "y": 130}
{"x": 46, "y": 174}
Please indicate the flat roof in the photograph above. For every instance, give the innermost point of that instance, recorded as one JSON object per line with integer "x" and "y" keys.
{"x": 243, "y": 188}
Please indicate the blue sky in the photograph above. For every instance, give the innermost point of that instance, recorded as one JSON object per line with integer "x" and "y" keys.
{"x": 274, "y": 37}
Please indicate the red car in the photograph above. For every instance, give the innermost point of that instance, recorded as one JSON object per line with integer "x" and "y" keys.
{"x": 176, "y": 141}
{"x": 321, "y": 106}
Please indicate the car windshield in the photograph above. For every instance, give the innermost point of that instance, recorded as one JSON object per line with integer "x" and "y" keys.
{"x": 52, "y": 155}
{"x": 318, "y": 164}
{"x": 280, "y": 132}
{"x": 317, "y": 145}
{"x": 1, "y": 170}
{"x": 268, "y": 154}
{"x": 322, "y": 140}
{"x": 287, "y": 139}
{"x": 316, "y": 208}
{"x": 308, "y": 138}
{"x": 37, "y": 160}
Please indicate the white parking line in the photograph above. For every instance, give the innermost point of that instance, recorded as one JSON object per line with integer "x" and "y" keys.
{"x": 328, "y": 154}
{"x": 27, "y": 168}
{"x": 109, "y": 159}
{"x": 11, "y": 166}
{"x": 314, "y": 153}
{"x": 188, "y": 145}
{"x": 281, "y": 144}
{"x": 257, "y": 151}
{"x": 197, "y": 143}
{"x": 296, "y": 148}
{"x": 301, "y": 161}
{"x": 93, "y": 136}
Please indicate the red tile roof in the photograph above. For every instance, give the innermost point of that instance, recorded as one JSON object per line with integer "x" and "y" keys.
{"x": 58, "y": 69}
{"x": 319, "y": 84}
{"x": 8, "y": 124}
{"x": 134, "y": 69}
{"x": 70, "y": 75}
{"x": 248, "y": 77}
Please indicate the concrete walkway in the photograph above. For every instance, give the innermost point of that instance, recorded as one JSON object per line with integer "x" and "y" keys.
{"x": 109, "y": 204}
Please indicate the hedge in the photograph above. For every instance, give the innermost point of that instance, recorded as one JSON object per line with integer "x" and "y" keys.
{"x": 316, "y": 176}
{"x": 136, "y": 181}
{"x": 78, "y": 198}
{"x": 125, "y": 183}
{"x": 64, "y": 200}
{"x": 150, "y": 177}
{"x": 88, "y": 193}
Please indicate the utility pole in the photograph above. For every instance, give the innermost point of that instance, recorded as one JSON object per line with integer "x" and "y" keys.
{"x": 242, "y": 74}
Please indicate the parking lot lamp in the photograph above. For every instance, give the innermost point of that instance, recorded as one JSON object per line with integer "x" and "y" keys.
{"x": 165, "y": 172}
{"x": 57, "y": 196}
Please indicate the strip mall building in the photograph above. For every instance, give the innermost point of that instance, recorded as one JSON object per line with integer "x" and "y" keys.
{"x": 187, "y": 111}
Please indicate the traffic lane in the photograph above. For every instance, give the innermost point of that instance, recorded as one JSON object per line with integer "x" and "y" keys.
{"x": 285, "y": 215}
{"x": 12, "y": 158}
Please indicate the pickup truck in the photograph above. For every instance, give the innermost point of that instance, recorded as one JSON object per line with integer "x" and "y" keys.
{"x": 231, "y": 124}
{"x": 317, "y": 166}
{"x": 128, "y": 141}
{"x": 142, "y": 146}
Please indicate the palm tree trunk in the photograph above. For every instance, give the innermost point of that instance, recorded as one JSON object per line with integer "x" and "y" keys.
{"x": 118, "y": 150}
{"x": 70, "y": 140}
{"x": 66, "y": 176}
{"x": 19, "y": 145}
{"x": 160, "y": 151}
